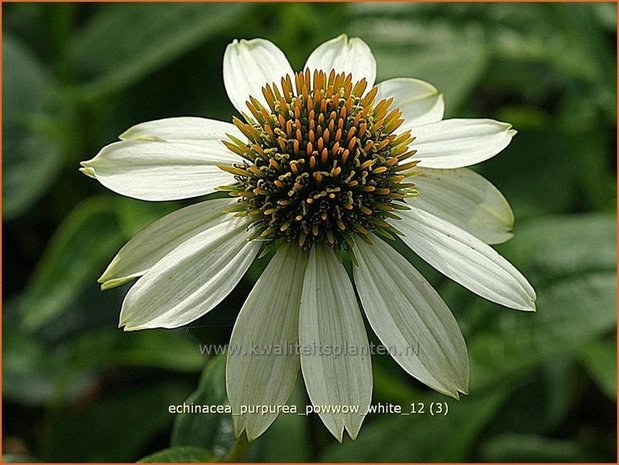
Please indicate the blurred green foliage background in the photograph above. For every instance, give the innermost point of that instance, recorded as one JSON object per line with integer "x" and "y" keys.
{"x": 76, "y": 388}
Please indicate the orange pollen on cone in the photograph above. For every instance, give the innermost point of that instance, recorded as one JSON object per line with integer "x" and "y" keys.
{"x": 322, "y": 162}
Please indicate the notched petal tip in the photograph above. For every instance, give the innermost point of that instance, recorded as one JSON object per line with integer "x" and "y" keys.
{"x": 532, "y": 303}
{"x": 461, "y": 391}
{"x": 458, "y": 387}
{"x": 110, "y": 279}
{"x": 533, "y": 307}
{"x": 453, "y": 392}
{"x": 240, "y": 430}
{"x": 338, "y": 434}
{"x": 238, "y": 425}
{"x": 252, "y": 436}
{"x": 124, "y": 324}
{"x": 88, "y": 171}
{"x": 341, "y": 38}
{"x": 506, "y": 127}
{"x": 128, "y": 329}
{"x": 464, "y": 387}
{"x": 528, "y": 307}
{"x": 107, "y": 284}
{"x": 237, "y": 434}
{"x": 249, "y": 43}
{"x": 357, "y": 40}
{"x": 353, "y": 433}
{"x": 508, "y": 235}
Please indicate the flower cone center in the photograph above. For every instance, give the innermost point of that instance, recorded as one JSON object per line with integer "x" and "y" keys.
{"x": 322, "y": 161}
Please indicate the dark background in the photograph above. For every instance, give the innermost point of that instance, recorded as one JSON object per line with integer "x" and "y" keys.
{"x": 76, "y": 388}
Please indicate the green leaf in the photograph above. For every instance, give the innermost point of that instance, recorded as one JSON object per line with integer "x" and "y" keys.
{"x": 167, "y": 349}
{"x": 212, "y": 431}
{"x": 182, "y": 454}
{"x": 531, "y": 448}
{"x": 606, "y": 15}
{"x": 576, "y": 288}
{"x": 388, "y": 385}
{"x": 560, "y": 380}
{"x": 451, "y": 59}
{"x": 27, "y": 372}
{"x": 546, "y": 394}
{"x": 116, "y": 428}
{"x": 593, "y": 54}
{"x": 31, "y": 160}
{"x": 30, "y": 368}
{"x": 551, "y": 184}
{"x": 593, "y": 175}
{"x": 125, "y": 42}
{"x": 422, "y": 437}
{"x": 570, "y": 314}
{"x": 541, "y": 34}
{"x": 600, "y": 360}
{"x": 25, "y": 79}
{"x": 552, "y": 247}
{"x": 75, "y": 256}
{"x": 37, "y": 373}
{"x": 133, "y": 215}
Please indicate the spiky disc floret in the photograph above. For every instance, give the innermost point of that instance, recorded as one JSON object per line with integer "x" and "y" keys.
{"x": 323, "y": 161}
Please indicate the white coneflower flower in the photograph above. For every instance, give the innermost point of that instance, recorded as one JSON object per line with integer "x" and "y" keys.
{"x": 323, "y": 164}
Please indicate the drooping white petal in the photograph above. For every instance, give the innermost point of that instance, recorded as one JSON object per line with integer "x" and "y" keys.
{"x": 161, "y": 170}
{"x": 190, "y": 280}
{"x": 248, "y": 66}
{"x": 465, "y": 259}
{"x": 330, "y": 319}
{"x": 158, "y": 239}
{"x": 419, "y": 102}
{"x": 345, "y": 55}
{"x": 465, "y": 199}
{"x": 410, "y": 318}
{"x": 455, "y": 143}
{"x": 186, "y": 128}
{"x": 263, "y": 363}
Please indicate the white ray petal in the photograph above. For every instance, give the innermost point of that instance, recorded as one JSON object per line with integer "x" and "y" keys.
{"x": 465, "y": 199}
{"x": 160, "y": 170}
{"x": 345, "y": 55}
{"x": 330, "y": 318}
{"x": 410, "y": 318}
{"x": 184, "y": 128}
{"x": 160, "y": 238}
{"x": 192, "y": 279}
{"x": 419, "y": 102}
{"x": 262, "y": 365}
{"x": 465, "y": 259}
{"x": 248, "y": 66}
{"x": 455, "y": 143}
